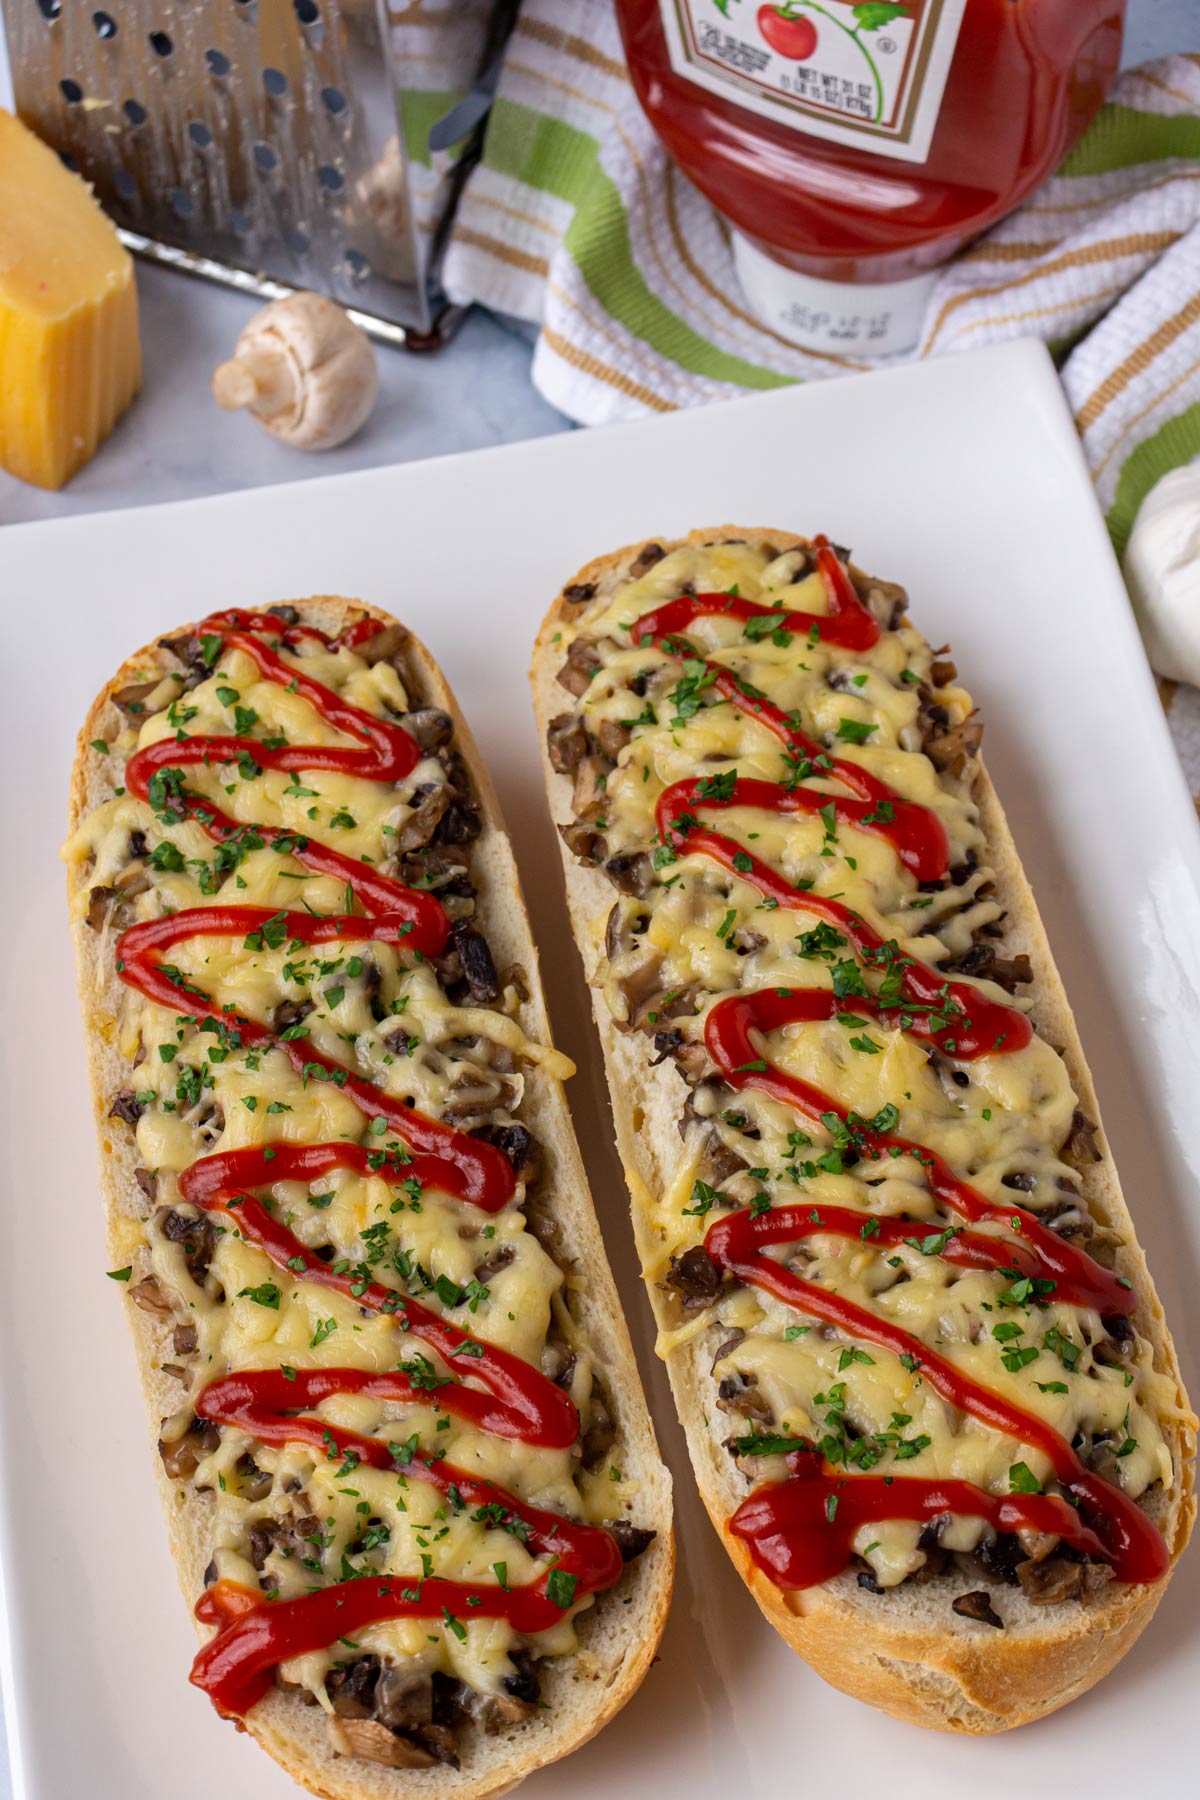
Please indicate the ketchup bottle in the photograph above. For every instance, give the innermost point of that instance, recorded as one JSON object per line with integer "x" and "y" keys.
{"x": 856, "y": 147}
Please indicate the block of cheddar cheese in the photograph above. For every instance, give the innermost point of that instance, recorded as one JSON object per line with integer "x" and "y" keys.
{"x": 70, "y": 361}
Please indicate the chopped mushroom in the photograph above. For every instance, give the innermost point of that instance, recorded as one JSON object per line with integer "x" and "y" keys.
{"x": 583, "y": 659}
{"x": 644, "y": 561}
{"x": 519, "y": 1145}
{"x": 583, "y": 842}
{"x": 404, "y": 1697}
{"x": 695, "y": 1277}
{"x": 289, "y": 1013}
{"x": 181, "y": 1456}
{"x": 253, "y": 1483}
{"x": 566, "y": 743}
{"x": 149, "y": 1295}
{"x": 1081, "y": 1144}
{"x": 132, "y": 698}
{"x": 369, "y": 1739}
{"x": 632, "y": 1540}
{"x": 98, "y": 902}
{"x": 589, "y": 798}
{"x": 1049, "y": 1582}
{"x": 999, "y": 1556}
{"x": 601, "y": 1433}
{"x": 351, "y": 1688}
{"x": 479, "y": 970}
{"x": 431, "y": 804}
{"x": 1008, "y": 972}
{"x": 195, "y": 1232}
{"x": 978, "y": 1605}
{"x": 720, "y": 1163}
{"x": 631, "y": 871}
{"x": 523, "y": 1683}
{"x": 429, "y": 726}
{"x": 737, "y": 1393}
{"x": 951, "y": 747}
{"x": 612, "y": 736}
{"x": 465, "y": 968}
{"x": 493, "y": 1711}
{"x": 640, "y": 984}
{"x": 385, "y": 643}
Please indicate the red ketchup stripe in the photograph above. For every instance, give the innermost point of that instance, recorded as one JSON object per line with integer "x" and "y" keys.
{"x": 800, "y": 1531}
{"x": 847, "y": 625}
{"x": 487, "y": 1172}
{"x": 519, "y": 1401}
{"x": 235, "y": 1668}
{"x": 976, "y": 1026}
{"x": 494, "y": 1390}
{"x": 917, "y": 834}
{"x": 1080, "y": 1280}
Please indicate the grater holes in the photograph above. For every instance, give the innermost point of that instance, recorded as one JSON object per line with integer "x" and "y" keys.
{"x": 181, "y": 202}
{"x": 104, "y": 25}
{"x": 160, "y": 43}
{"x": 275, "y": 82}
{"x": 125, "y": 185}
{"x": 240, "y": 221}
{"x": 308, "y": 15}
{"x": 331, "y": 179}
{"x": 135, "y": 112}
{"x": 358, "y": 265}
{"x": 49, "y": 9}
{"x": 334, "y": 101}
{"x": 71, "y": 91}
{"x": 297, "y": 241}
{"x": 68, "y": 161}
{"x": 217, "y": 61}
{"x": 265, "y": 158}
{"x": 199, "y": 133}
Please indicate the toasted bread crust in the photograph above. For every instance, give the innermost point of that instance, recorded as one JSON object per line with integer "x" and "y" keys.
{"x": 619, "y": 1635}
{"x": 895, "y": 1651}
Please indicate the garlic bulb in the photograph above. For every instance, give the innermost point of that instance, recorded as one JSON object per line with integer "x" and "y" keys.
{"x": 1162, "y": 569}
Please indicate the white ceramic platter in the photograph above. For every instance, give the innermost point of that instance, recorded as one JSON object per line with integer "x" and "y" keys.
{"x": 960, "y": 478}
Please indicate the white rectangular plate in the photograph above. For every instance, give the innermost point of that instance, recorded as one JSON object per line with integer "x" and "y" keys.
{"x": 960, "y": 478}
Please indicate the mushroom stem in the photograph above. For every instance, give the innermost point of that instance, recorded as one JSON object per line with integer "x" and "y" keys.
{"x": 260, "y": 377}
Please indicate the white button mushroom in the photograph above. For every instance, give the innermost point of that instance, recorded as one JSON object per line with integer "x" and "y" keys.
{"x": 304, "y": 370}
{"x": 1162, "y": 570}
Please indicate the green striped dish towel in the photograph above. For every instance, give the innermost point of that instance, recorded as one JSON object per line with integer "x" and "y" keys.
{"x": 576, "y": 220}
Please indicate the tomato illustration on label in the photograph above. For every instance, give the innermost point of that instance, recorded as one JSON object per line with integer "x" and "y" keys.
{"x": 790, "y": 31}
{"x": 789, "y": 34}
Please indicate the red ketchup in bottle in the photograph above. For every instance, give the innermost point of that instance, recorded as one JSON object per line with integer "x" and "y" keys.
{"x": 856, "y": 145}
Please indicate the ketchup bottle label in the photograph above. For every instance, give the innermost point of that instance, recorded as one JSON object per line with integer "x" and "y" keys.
{"x": 870, "y": 75}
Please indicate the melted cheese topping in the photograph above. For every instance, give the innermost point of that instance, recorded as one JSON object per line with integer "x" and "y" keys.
{"x": 287, "y": 1520}
{"x": 699, "y": 933}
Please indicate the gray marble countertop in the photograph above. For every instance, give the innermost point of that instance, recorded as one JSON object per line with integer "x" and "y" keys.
{"x": 175, "y": 444}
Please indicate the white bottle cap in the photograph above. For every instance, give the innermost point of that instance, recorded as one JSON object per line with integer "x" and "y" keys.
{"x": 867, "y": 319}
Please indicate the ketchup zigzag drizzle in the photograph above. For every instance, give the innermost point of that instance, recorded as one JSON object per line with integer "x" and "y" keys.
{"x": 509, "y": 1398}
{"x": 801, "y": 1531}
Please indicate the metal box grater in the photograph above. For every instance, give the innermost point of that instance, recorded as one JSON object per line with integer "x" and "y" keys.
{"x": 270, "y": 144}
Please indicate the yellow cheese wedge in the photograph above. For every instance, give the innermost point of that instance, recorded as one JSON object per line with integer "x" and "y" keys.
{"x": 70, "y": 361}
